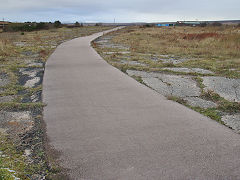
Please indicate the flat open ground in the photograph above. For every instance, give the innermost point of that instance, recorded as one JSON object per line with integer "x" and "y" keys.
{"x": 106, "y": 125}
{"x": 195, "y": 66}
{"x": 22, "y": 57}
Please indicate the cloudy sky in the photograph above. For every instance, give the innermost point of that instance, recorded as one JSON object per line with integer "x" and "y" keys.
{"x": 120, "y": 10}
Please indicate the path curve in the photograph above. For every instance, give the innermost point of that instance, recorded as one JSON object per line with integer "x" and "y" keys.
{"x": 107, "y": 126}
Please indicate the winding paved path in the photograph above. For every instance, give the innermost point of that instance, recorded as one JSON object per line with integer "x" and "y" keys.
{"x": 107, "y": 126}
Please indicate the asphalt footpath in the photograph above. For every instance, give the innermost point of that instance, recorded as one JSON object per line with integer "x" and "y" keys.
{"x": 107, "y": 126}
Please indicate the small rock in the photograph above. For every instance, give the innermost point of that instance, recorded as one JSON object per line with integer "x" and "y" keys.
{"x": 32, "y": 82}
{"x": 27, "y": 152}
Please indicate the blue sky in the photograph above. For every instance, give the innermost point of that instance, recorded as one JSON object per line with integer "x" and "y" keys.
{"x": 120, "y": 10}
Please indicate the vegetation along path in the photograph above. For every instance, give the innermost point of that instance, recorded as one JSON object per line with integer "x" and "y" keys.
{"x": 106, "y": 125}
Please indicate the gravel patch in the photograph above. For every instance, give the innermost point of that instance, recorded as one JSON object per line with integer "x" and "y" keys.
{"x": 225, "y": 87}
{"x": 30, "y": 54}
{"x": 104, "y": 42}
{"x": 132, "y": 63}
{"x": 21, "y": 44}
{"x": 232, "y": 121}
{"x": 19, "y": 116}
{"x": 30, "y": 72}
{"x": 6, "y": 98}
{"x": 173, "y": 60}
{"x": 4, "y": 80}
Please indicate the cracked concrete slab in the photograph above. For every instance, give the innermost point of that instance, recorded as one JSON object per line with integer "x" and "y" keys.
{"x": 198, "y": 102}
{"x": 232, "y": 121}
{"x": 225, "y": 87}
{"x": 189, "y": 70}
{"x": 169, "y": 85}
{"x": 158, "y": 85}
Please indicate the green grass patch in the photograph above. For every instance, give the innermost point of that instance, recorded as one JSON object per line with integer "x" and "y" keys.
{"x": 20, "y": 106}
{"x": 210, "y": 112}
{"x": 12, "y": 162}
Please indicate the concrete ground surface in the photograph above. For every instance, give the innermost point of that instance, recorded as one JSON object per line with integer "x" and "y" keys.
{"x": 108, "y": 126}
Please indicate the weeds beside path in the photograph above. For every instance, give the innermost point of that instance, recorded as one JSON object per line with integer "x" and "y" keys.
{"x": 23, "y": 56}
{"x": 195, "y": 66}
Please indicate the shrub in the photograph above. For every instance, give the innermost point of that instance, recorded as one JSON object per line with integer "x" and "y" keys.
{"x": 57, "y": 24}
{"x": 41, "y": 25}
{"x": 216, "y": 24}
{"x": 77, "y": 24}
{"x": 204, "y": 24}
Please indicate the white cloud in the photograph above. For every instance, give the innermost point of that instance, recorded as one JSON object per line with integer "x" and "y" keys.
{"x": 123, "y": 11}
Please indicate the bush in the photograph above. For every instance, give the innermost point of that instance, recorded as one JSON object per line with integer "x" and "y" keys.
{"x": 98, "y": 24}
{"x": 77, "y": 24}
{"x": 148, "y": 25}
{"x": 41, "y": 25}
{"x": 216, "y": 24}
{"x": 57, "y": 24}
{"x": 28, "y": 26}
{"x": 204, "y": 24}
{"x": 19, "y": 27}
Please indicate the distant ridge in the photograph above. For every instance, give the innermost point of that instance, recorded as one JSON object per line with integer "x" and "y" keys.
{"x": 172, "y": 22}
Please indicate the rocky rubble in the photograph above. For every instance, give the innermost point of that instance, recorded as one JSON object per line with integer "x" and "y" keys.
{"x": 23, "y": 125}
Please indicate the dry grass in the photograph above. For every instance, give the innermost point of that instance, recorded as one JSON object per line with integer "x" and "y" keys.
{"x": 39, "y": 41}
{"x": 14, "y": 54}
{"x": 213, "y": 48}
{"x": 221, "y": 42}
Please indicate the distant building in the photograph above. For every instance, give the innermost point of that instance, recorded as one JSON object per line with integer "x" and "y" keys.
{"x": 164, "y": 25}
{"x": 3, "y": 24}
{"x": 188, "y": 23}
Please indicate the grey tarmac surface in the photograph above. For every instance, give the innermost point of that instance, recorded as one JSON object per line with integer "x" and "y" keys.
{"x": 108, "y": 126}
